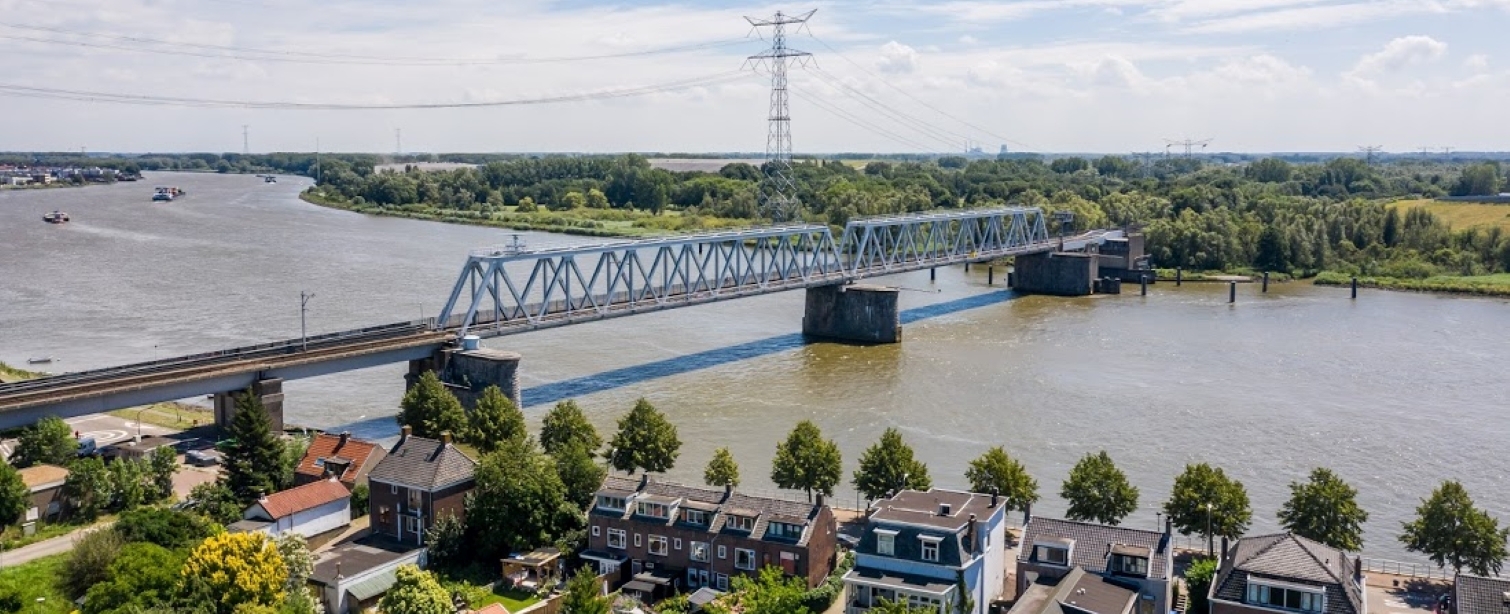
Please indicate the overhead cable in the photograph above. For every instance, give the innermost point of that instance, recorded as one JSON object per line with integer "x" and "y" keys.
{"x": 948, "y": 138}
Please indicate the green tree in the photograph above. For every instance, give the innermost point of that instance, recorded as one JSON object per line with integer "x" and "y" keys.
{"x": 1325, "y": 509}
{"x": 1452, "y": 532}
{"x": 596, "y": 199}
{"x": 89, "y": 560}
{"x": 1198, "y": 578}
{"x": 722, "y": 470}
{"x": 253, "y": 454}
{"x": 48, "y": 442}
{"x": 579, "y": 472}
{"x": 996, "y": 472}
{"x": 360, "y": 497}
{"x": 884, "y": 606}
{"x": 771, "y": 593}
{"x": 446, "y": 541}
{"x": 1098, "y": 491}
{"x": 495, "y": 420}
{"x": 416, "y": 591}
{"x": 566, "y": 423}
{"x": 236, "y": 569}
{"x": 888, "y": 467}
{"x": 216, "y": 501}
{"x": 298, "y": 563}
{"x": 807, "y": 461}
{"x": 142, "y": 575}
{"x": 519, "y": 502}
{"x": 162, "y": 464}
{"x": 293, "y": 452}
{"x": 171, "y": 529}
{"x": 572, "y": 200}
{"x": 645, "y": 441}
{"x": 526, "y": 205}
{"x": 15, "y": 497}
{"x": 584, "y": 594}
{"x": 89, "y": 487}
{"x": 1203, "y": 495}
{"x": 129, "y": 480}
{"x": 430, "y": 409}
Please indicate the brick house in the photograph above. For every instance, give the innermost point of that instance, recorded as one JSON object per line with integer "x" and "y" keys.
{"x": 1139, "y": 560}
{"x": 347, "y": 458}
{"x": 418, "y": 480}
{"x": 674, "y": 538}
{"x": 1287, "y": 573}
{"x": 45, "y": 486}
{"x": 930, "y": 549}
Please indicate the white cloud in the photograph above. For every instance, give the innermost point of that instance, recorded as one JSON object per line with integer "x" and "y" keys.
{"x": 897, "y": 58}
{"x": 968, "y": 40}
{"x": 1262, "y": 70}
{"x": 1399, "y": 54}
{"x": 1117, "y": 72}
{"x": 1316, "y": 17}
{"x": 1477, "y": 62}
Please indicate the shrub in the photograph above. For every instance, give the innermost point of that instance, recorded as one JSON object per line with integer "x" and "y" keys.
{"x": 88, "y": 563}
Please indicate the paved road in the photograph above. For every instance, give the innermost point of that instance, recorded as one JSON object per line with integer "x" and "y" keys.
{"x": 1410, "y": 597}
{"x": 48, "y": 547}
{"x": 104, "y": 428}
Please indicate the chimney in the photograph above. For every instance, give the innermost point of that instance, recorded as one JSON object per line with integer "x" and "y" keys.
{"x": 970, "y": 536}
{"x": 944, "y": 509}
{"x": 1224, "y": 549}
{"x": 345, "y": 436}
{"x": 1358, "y": 571}
{"x": 645, "y": 481}
{"x": 820, "y": 499}
{"x": 1168, "y": 527}
{"x": 404, "y": 434}
{"x": 338, "y": 571}
{"x": 728, "y": 491}
{"x": 1027, "y": 514}
{"x": 445, "y": 438}
{"x": 995, "y": 495}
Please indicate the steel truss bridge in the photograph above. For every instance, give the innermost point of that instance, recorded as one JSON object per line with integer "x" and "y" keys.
{"x": 510, "y": 290}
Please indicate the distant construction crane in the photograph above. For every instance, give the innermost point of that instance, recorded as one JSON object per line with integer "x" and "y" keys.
{"x": 1369, "y": 151}
{"x": 246, "y": 147}
{"x": 778, "y": 192}
{"x": 1188, "y": 144}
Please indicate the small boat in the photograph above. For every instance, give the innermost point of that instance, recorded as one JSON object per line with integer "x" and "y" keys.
{"x": 270, "y": 179}
{"x": 167, "y": 193}
{"x": 56, "y": 217}
{"x": 41, "y": 360}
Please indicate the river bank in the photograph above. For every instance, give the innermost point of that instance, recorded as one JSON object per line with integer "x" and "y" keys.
{"x": 1480, "y": 285}
{"x": 608, "y": 223}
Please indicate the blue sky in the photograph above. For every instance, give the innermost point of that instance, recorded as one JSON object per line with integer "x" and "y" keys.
{"x": 889, "y": 75}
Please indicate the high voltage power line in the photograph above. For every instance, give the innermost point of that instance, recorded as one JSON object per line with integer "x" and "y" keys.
{"x": 139, "y": 99}
{"x": 134, "y": 43}
{"x": 948, "y": 138}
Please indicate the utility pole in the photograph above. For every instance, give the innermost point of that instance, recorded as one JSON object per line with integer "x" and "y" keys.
{"x": 398, "y": 141}
{"x": 778, "y": 193}
{"x": 1425, "y": 151}
{"x": 1369, "y": 151}
{"x": 246, "y": 148}
{"x": 1188, "y": 144}
{"x": 303, "y": 331}
{"x": 1447, "y": 151}
{"x": 317, "y": 160}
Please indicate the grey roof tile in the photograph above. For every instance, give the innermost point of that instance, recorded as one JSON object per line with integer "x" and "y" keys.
{"x": 426, "y": 464}
{"x": 1094, "y": 541}
{"x": 718, "y": 502}
{"x": 1475, "y": 595}
{"x": 1295, "y": 559}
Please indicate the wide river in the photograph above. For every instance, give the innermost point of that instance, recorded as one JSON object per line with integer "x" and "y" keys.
{"x": 1394, "y": 391}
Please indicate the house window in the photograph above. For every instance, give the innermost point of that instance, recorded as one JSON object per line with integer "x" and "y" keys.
{"x": 658, "y": 545}
{"x": 1289, "y": 598}
{"x": 723, "y": 553}
{"x": 677, "y": 543}
{"x": 740, "y": 523}
{"x": 886, "y": 542}
{"x": 611, "y": 503}
{"x": 616, "y": 538}
{"x": 782, "y": 530}
{"x": 1130, "y": 565}
{"x": 652, "y": 510}
{"x": 744, "y": 559}
{"x": 636, "y": 540}
{"x": 920, "y": 602}
{"x": 1051, "y": 555}
{"x": 723, "y": 581}
{"x": 930, "y": 551}
{"x": 699, "y": 551}
{"x": 595, "y": 530}
{"x": 414, "y": 498}
{"x": 697, "y": 517}
{"x": 411, "y": 525}
{"x": 393, "y": 489}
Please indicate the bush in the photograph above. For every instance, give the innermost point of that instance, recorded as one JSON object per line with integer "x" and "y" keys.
{"x": 1198, "y": 578}
{"x": 91, "y": 558}
{"x": 359, "y": 497}
{"x": 170, "y": 529}
{"x": 820, "y": 598}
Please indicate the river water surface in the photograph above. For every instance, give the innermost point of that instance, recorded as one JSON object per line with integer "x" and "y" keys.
{"x": 1393, "y": 391}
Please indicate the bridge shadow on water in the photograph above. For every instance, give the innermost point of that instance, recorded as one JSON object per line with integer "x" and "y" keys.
{"x": 554, "y": 392}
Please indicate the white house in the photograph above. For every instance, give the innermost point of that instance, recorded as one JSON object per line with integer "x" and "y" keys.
{"x": 932, "y": 550}
{"x": 309, "y": 510}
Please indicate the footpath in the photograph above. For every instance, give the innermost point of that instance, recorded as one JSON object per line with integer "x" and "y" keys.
{"x": 46, "y": 547}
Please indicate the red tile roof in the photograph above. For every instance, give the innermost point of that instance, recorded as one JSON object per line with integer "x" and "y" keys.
{"x": 326, "y": 445}
{"x": 300, "y": 498}
{"x": 492, "y": 608}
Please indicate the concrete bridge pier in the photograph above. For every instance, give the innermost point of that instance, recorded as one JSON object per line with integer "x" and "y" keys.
{"x": 1059, "y": 274}
{"x": 853, "y": 313}
{"x": 467, "y": 372}
{"x": 269, "y": 390}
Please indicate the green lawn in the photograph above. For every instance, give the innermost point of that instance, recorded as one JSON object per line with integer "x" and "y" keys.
{"x": 1489, "y": 285}
{"x": 34, "y": 587}
{"x": 479, "y": 595}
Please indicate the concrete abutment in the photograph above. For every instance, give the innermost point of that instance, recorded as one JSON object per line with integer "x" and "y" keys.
{"x": 1059, "y": 274}
{"x": 853, "y": 313}
{"x": 268, "y": 390}
{"x": 467, "y": 373}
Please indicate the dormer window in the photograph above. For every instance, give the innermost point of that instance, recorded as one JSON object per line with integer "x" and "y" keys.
{"x": 652, "y": 510}
{"x": 1287, "y": 596}
{"x": 610, "y": 502}
{"x": 929, "y": 547}
{"x": 886, "y": 542}
{"x": 784, "y": 530}
{"x": 741, "y": 523}
{"x": 1051, "y": 554}
{"x": 697, "y": 517}
{"x": 1127, "y": 565}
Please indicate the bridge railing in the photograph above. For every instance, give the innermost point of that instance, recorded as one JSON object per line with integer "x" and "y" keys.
{"x": 287, "y": 346}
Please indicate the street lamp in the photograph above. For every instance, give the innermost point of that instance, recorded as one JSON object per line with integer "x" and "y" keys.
{"x": 303, "y": 334}
{"x": 1210, "y": 540}
{"x": 139, "y": 423}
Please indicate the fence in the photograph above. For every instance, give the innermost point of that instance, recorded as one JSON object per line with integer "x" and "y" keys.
{"x": 1411, "y": 570}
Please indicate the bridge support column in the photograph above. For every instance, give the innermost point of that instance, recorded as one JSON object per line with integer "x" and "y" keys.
{"x": 858, "y": 313}
{"x": 1060, "y": 274}
{"x": 468, "y": 372}
{"x": 269, "y": 391}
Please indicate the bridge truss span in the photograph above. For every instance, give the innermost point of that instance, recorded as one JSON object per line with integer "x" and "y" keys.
{"x": 896, "y": 244}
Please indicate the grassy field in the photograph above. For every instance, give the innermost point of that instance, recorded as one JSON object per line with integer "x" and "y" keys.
{"x": 1484, "y": 285}
{"x": 12, "y": 374}
{"x": 34, "y": 587}
{"x": 1461, "y": 216}
{"x": 180, "y": 416}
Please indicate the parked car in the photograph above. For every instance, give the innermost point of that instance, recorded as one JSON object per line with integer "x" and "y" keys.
{"x": 204, "y": 458}
{"x": 87, "y": 447}
{"x": 184, "y": 446}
